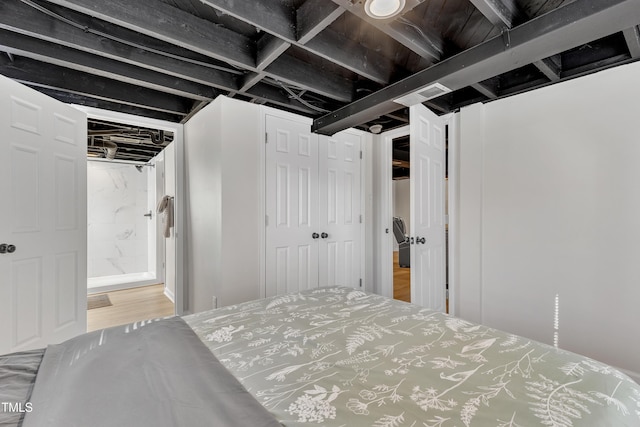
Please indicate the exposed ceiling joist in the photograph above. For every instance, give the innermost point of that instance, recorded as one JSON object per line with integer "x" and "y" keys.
{"x": 72, "y": 98}
{"x": 550, "y": 67}
{"x": 313, "y": 17}
{"x": 20, "y": 18}
{"x": 504, "y": 14}
{"x": 172, "y": 25}
{"x": 57, "y": 54}
{"x": 157, "y": 19}
{"x": 402, "y": 30}
{"x": 57, "y": 78}
{"x": 485, "y": 90}
{"x": 501, "y": 13}
{"x": 632, "y": 37}
{"x": 309, "y": 23}
{"x": 564, "y": 28}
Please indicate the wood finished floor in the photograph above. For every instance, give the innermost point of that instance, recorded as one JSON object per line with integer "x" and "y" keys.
{"x": 401, "y": 281}
{"x": 131, "y": 305}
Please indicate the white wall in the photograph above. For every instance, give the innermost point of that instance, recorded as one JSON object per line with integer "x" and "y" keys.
{"x": 223, "y": 180}
{"x": 117, "y": 240}
{"x": 402, "y": 204}
{"x": 549, "y": 205}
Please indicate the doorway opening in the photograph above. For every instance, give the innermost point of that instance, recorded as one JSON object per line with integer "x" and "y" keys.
{"x": 401, "y": 201}
{"x": 126, "y": 238}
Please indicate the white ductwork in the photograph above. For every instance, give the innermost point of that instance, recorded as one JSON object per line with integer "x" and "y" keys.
{"x": 110, "y": 148}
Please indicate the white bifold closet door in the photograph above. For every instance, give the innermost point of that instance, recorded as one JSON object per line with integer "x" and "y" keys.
{"x": 43, "y": 234}
{"x": 313, "y": 193}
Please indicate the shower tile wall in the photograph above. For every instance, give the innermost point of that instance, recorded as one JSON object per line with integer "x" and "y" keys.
{"x": 117, "y": 230}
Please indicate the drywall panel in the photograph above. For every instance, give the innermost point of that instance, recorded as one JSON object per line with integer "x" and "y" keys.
{"x": 548, "y": 215}
{"x": 203, "y": 182}
{"x": 222, "y": 155}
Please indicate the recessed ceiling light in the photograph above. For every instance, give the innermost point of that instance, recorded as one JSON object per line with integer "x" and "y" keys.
{"x": 383, "y": 9}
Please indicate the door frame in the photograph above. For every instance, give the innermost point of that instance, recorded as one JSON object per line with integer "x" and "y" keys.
{"x": 385, "y": 205}
{"x": 179, "y": 200}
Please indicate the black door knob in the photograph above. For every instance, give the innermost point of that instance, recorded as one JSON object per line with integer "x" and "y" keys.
{"x": 420, "y": 240}
{"x": 315, "y": 235}
{"x": 3, "y": 248}
{"x": 324, "y": 235}
{"x": 11, "y": 249}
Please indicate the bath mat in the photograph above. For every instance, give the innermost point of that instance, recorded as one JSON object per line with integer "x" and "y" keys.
{"x": 98, "y": 301}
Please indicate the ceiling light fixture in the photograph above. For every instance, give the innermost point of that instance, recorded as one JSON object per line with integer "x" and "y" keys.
{"x": 383, "y": 9}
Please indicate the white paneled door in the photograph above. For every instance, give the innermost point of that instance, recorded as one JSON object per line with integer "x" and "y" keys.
{"x": 313, "y": 194}
{"x": 43, "y": 231}
{"x": 291, "y": 206}
{"x": 339, "y": 222}
{"x": 428, "y": 262}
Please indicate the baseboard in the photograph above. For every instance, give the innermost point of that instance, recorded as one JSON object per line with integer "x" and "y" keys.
{"x": 170, "y": 295}
{"x": 121, "y": 286}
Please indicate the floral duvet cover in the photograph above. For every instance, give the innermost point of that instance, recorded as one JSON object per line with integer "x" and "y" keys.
{"x": 342, "y": 357}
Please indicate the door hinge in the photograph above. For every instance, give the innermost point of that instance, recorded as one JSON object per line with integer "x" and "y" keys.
{"x": 360, "y": 219}
{"x": 266, "y": 220}
{"x": 266, "y": 137}
{"x": 360, "y": 154}
{"x": 360, "y": 282}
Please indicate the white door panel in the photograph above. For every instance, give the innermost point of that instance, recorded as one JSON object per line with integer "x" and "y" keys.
{"x": 43, "y": 181}
{"x": 291, "y": 206}
{"x": 428, "y": 287}
{"x": 339, "y": 224}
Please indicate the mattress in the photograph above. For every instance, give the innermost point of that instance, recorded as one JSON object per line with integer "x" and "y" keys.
{"x": 341, "y": 357}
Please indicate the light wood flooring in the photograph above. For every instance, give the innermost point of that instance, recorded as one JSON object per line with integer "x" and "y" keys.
{"x": 131, "y": 305}
{"x": 401, "y": 281}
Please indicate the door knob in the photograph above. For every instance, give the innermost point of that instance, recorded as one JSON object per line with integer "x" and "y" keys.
{"x": 324, "y": 235}
{"x": 420, "y": 240}
{"x": 3, "y": 248}
{"x": 11, "y": 249}
{"x": 315, "y": 235}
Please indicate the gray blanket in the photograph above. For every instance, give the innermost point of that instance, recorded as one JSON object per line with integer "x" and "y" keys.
{"x": 156, "y": 374}
{"x": 17, "y": 376}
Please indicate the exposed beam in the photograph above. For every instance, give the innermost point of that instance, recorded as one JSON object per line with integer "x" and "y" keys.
{"x": 351, "y": 55}
{"x": 172, "y": 25}
{"x": 427, "y": 46}
{"x": 294, "y": 72}
{"x": 313, "y": 17}
{"x": 275, "y": 96}
{"x": 157, "y": 19}
{"x": 274, "y": 17}
{"x": 557, "y": 31}
{"x": 485, "y": 90}
{"x": 632, "y": 37}
{"x": 18, "y": 17}
{"x": 550, "y": 67}
{"x": 269, "y": 49}
{"x": 501, "y": 13}
{"x": 72, "y": 98}
{"x": 73, "y": 59}
{"x": 48, "y": 76}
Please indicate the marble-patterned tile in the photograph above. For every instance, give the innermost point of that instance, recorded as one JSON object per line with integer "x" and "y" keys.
{"x": 117, "y": 230}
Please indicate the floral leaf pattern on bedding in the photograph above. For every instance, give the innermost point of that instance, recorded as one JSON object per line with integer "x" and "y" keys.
{"x": 342, "y": 357}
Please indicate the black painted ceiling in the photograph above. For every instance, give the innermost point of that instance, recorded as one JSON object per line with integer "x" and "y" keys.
{"x": 325, "y": 59}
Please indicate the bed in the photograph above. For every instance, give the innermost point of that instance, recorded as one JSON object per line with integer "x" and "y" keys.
{"x": 330, "y": 357}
